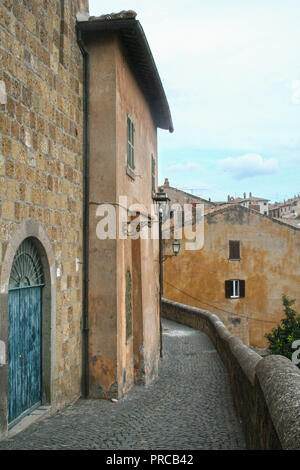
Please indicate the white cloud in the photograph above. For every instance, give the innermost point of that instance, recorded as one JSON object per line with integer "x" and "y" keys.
{"x": 248, "y": 166}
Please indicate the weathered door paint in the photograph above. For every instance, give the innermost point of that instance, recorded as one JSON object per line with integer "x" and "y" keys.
{"x": 24, "y": 332}
{"x": 25, "y": 308}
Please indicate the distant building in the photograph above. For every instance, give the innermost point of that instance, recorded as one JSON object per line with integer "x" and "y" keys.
{"x": 258, "y": 204}
{"x": 286, "y": 209}
{"x": 182, "y": 197}
{"x": 247, "y": 262}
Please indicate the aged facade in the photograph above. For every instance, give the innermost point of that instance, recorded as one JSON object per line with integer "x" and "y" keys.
{"x": 126, "y": 106}
{"x": 247, "y": 262}
{"x": 41, "y": 221}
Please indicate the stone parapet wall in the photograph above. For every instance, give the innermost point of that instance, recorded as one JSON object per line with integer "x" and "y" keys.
{"x": 266, "y": 391}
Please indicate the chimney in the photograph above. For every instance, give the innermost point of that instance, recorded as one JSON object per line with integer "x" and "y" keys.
{"x": 228, "y": 198}
{"x": 166, "y": 183}
{"x": 244, "y": 195}
{"x": 250, "y": 195}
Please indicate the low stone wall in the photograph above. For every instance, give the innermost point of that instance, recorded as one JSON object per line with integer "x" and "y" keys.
{"x": 266, "y": 391}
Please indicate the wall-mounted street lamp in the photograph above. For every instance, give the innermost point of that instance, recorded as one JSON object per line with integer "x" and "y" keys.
{"x": 163, "y": 200}
{"x": 176, "y": 249}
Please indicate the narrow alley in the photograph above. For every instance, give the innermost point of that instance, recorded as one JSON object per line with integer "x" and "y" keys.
{"x": 188, "y": 407}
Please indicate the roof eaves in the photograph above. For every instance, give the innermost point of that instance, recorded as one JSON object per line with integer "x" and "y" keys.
{"x": 141, "y": 60}
{"x": 259, "y": 214}
{"x": 188, "y": 194}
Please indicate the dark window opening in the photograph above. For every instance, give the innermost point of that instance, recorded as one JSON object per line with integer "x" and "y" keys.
{"x": 235, "y": 289}
{"x": 234, "y": 249}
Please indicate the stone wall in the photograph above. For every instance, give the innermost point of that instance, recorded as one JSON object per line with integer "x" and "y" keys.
{"x": 266, "y": 391}
{"x": 41, "y": 139}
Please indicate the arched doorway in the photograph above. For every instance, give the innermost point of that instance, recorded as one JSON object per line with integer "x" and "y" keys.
{"x": 25, "y": 331}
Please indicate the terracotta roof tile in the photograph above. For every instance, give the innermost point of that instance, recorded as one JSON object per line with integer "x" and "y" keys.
{"x": 124, "y": 14}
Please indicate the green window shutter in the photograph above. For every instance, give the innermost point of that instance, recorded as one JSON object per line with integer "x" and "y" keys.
{"x": 153, "y": 174}
{"x": 132, "y": 155}
{"x": 128, "y": 140}
{"x": 128, "y": 303}
{"x": 130, "y": 143}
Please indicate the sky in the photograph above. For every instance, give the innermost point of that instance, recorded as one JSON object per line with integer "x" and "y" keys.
{"x": 231, "y": 73}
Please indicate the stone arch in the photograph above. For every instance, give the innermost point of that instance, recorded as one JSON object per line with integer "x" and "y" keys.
{"x": 30, "y": 228}
{"x": 34, "y": 230}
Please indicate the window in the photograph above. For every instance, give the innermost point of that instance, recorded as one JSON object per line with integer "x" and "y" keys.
{"x": 235, "y": 289}
{"x": 153, "y": 175}
{"x": 130, "y": 143}
{"x": 234, "y": 249}
{"x": 128, "y": 304}
{"x": 179, "y": 217}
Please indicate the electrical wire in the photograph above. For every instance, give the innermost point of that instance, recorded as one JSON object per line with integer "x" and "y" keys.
{"x": 221, "y": 309}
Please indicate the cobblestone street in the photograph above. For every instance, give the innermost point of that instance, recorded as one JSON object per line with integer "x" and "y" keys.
{"x": 188, "y": 407}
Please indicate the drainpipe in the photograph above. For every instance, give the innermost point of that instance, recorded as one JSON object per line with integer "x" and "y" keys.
{"x": 85, "y": 256}
{"x": 161, "y": 282}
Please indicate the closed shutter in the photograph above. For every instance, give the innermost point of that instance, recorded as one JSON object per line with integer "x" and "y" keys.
{"x": 228, "y": 289}
{"x": 130, "y": 143}
{"x": 242, "y": 288}
{"x": 234, "y": 249}
{"x": 179, "y": 217}
{"x": 153, "y": 174}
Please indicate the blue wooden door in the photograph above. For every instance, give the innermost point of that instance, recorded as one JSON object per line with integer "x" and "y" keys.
{"x": 24, "y": 350}
{"x": 24, "y": 334}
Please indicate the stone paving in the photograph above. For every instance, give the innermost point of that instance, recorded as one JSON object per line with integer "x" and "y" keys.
{"x": 188, "y": 407}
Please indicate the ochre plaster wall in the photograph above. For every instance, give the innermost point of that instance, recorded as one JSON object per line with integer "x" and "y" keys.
{"x": 270, "y": 255}
{"x": 114, "y": 94}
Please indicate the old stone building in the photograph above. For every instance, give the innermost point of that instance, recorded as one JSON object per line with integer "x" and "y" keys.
{"x": 289, "y": 209}
{"x": 258, "y": 204}
{"x": 247, "y": 262}
{"x": 64, "y": 294}
{"x": 41, "y": 204}
{"x": 177, "y": 196}
{"x": 127, "y": 104}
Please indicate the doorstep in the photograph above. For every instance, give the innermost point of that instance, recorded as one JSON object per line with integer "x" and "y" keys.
{"x": 37, "y": 415}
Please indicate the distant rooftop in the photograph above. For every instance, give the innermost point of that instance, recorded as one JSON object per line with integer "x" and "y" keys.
{"x": 245, "y": 198}
{"x": 166, "y": 185}
{"x": 289, "y": 202}
{"x": 286, "y": 222}
{"x": 293, "y": 222}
